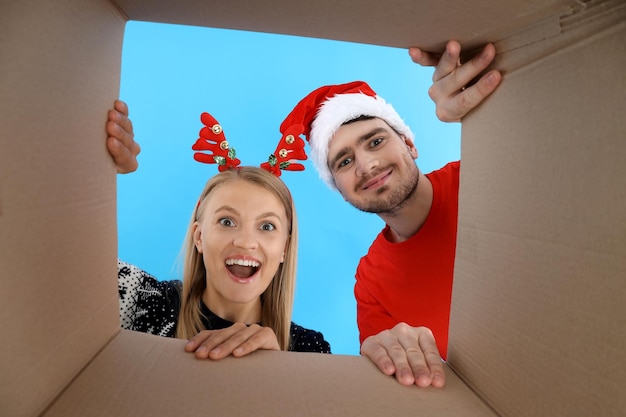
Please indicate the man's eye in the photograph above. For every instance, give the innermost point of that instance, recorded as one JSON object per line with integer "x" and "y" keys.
{"x": 375, "y": 142}
{"x": 225, "y": 221}
{"x": 344, "y": 162}
{"x": 268, "y": 227}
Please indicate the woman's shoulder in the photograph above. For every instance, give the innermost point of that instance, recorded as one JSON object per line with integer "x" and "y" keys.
{"x": 134, "y": 276}
{"x": 147, "y": 304}
{"x": 307, "y": 340}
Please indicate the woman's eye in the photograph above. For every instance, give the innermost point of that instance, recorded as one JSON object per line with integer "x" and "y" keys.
{"x": 268, "y": 227}
{"x": 225, "y": 221}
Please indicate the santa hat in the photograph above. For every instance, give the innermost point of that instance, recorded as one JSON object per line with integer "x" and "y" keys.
{"x": 326, "y": 109}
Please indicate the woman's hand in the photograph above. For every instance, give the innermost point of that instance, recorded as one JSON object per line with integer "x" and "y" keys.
{"x": 121, "y": 138}
{"x": 237, "y": 340}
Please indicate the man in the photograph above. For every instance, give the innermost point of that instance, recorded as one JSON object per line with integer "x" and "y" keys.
{"x": 349, "y": 158}
{"x": 362, "y": 148}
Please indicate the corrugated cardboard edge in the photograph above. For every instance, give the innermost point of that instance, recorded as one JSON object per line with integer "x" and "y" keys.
{"x": 537, "y": 322}
{"x": 141, "y": 375}
{"x": 555, "y": 32}
{"x": 60, "y": 71}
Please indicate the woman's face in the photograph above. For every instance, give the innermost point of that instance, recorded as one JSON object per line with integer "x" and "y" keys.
{"x": 242, "y": 237}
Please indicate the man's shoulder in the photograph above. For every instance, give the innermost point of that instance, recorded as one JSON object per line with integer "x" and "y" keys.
{"x": 449, "y": 168}
{"x": 447, "y": 176}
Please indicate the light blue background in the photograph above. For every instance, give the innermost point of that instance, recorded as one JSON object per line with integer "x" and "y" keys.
{"x": 250, "y": 82}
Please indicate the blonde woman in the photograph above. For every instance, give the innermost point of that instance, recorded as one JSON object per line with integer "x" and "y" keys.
{"x": 240, "y": 256}
{"x": 238, "y": 276}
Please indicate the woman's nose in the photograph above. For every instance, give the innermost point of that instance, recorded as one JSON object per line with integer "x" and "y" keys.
{"x": 245, "y": 240}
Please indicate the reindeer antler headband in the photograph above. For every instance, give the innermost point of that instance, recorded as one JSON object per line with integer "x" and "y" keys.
{"x": 212, "y": 139}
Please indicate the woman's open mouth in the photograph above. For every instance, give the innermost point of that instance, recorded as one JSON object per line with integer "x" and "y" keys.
{"x": 242, "y": 268}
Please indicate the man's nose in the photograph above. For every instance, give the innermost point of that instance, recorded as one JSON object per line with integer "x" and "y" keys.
{"x": 365, "y": 164}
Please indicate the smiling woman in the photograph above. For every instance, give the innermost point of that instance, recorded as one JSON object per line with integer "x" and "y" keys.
{"x": 244, "y": 217}
{"x": 238, "y": 275}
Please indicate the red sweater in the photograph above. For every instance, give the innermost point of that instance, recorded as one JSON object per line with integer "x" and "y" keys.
{"x": 411, "y": 281}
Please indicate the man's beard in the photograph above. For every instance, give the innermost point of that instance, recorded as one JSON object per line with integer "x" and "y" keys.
{"x": 395, "y": 199}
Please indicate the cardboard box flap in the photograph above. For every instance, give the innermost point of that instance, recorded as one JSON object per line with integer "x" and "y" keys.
{"x": 399, "y": 23}
{"x": 144, "y": 375}
{"x": 538, "y": 314}
{"x": 538, "y": 324}
{"x": 59, "y": 72}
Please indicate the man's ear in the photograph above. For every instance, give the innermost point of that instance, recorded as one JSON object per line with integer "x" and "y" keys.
{"x": 197, "y": 236}
{"x": 409, "y": 144}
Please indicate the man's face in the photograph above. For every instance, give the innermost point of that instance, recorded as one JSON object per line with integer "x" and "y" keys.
{"x": 373, "y": 167}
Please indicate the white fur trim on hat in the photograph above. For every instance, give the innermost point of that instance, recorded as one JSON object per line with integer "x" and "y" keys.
{"x": 342, "y": 108}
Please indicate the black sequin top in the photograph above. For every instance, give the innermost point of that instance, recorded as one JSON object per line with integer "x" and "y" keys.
{"x": 151, "y": 306}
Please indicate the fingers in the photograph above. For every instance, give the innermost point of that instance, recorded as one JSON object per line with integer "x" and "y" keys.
{"x": 121, "y": 107}
{"x": 432, "y": 372}
{"x": 125, "y": 159}
{"x": 450, "y": 79}
{"x": 449, "y": 92}
{"x": 455, "y": 76}
{"x": 445, "y": 63}
{"x": 472, "y": 96}
{"x": 408, "y": 352}
{"x": 376, "y": 352}
{"x": 449, "y": 61}
{"x": 423, "y": 58}
{"x": 121, "y": 139}
{"x": 237, "y": 340}
{"x": 453, "y": 107}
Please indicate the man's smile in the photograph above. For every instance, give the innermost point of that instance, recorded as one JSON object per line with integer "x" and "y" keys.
{"x": 376, "y": 182}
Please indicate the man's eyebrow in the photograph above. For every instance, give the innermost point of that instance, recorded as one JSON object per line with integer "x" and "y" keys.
{"x": 363, "y": 138}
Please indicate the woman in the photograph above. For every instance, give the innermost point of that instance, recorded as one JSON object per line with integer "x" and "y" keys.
{"x": 238, "y": 274}
{"x": 240, "y": 255}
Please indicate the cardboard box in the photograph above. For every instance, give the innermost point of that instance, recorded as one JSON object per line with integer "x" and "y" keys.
{"x": 538, "y": 324}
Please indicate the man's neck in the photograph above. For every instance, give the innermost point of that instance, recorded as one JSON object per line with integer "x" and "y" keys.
{"x": 408, "y": 220}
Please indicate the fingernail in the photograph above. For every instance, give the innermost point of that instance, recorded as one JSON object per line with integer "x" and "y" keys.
{"x": 406, "y": 377}
{"x": 423, "y": 380}
{"x": 492, "y": 78}
{"x": 389, "y": 369}
{"x": 216, "y": 351}
{"x": 189, "y": 345}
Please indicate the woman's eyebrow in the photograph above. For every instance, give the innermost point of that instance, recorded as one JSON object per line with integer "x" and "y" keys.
{"x": 268, "y": 214}
{"x": 226, "y": 208}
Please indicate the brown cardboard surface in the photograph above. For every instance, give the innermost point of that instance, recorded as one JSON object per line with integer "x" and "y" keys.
{"x": 401, "y": 23}
{"x": 145, "y": 375}
{"x": 59, "y": 72}
{"x": 538, "y": 319}
{"x": 539, "y": 322}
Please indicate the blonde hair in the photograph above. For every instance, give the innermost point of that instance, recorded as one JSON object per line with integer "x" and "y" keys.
{"x": 277, "y": 299}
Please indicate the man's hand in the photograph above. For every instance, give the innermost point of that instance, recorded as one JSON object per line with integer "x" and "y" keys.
{"x": 449, "y": 92}
{"x": 408, "y": 352}
{"x": 237, "y": 340}
{"x": 120, "y": 141}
